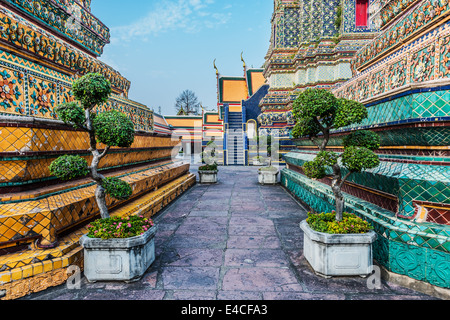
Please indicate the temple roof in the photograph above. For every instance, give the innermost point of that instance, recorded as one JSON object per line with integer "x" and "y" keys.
{"x": 236, "y": 89}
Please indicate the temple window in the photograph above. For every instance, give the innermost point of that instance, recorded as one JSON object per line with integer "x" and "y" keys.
{"x": 362, "y": 13}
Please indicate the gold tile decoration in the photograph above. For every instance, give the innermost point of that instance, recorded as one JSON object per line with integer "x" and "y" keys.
{"x": 37, "y": 70}
{"x": 46, "y": 217}
{"x": 28, "y": 152}
{"x": 35, "y": 139}
{"x": 36, "y": 270}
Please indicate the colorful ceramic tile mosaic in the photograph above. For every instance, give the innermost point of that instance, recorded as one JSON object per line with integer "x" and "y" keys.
{"x": 402, "y": 78}
{"x": 35, "y": 270}
{"x": 417, "y": 250}
{"x": 309, "y": 48}
{"x": 42, "y": 218}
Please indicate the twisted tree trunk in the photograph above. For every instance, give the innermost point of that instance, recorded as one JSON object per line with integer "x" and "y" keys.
{"x": 336, "y": 186}
{"x": 100, "y": 192}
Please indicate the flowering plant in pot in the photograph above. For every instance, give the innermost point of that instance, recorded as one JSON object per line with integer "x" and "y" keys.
{"x": 119, "y": 248}
{"x": 317, "y": 113}
{"x": 268, "y": 174}
{"x": 208, "y": 172}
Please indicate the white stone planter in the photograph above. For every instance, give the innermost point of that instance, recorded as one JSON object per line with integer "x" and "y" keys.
{"x": 332, "y": 255}
{"x": 207, "y": 176}
{"x": 258, "y": 163}
{"x": 118, "y": 259}
{"x": 268, "y": 177}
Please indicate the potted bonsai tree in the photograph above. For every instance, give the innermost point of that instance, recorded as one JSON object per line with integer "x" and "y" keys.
{"x": 257, "y": 160}
{"x": 208, "y": 172}
{"x": 134, "y": 241}
{"x": 337, "y": 243}
{"x": 268, "y": 174}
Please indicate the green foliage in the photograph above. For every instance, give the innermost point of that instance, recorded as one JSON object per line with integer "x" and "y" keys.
{"x": 71, "y": 113}
{"x": 317, "y": 104}
{"x": 315, "y": 169}
{"x": 269, "y": 169}
{"x": 357, "y": 159}
{"x": 69, "y": 167}
{"x": 305, "y": 128}
{"x": 326, "y": 223}
{"x": 349, "y": 112}
{"x": 209, "y": 167}
{"x": 327, "y": 158}
{"x": 91, "y": 90}
{"x": 114, "y": 129}
{"x": 366, "y": 139}
{"x": 209, "y": 155}
{"x": 119, "y": 228}
{"x": 116, "y": 188}
{"x": 338, "y": 20}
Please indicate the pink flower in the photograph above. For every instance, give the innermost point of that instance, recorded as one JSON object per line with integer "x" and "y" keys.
{"x": 129, "y": 225}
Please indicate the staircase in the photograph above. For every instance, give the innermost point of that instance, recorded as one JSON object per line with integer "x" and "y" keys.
{"x": 235, "y": 140}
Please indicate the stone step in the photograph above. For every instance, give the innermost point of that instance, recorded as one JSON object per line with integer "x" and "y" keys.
{"x": 46, "y": 217}
{"x": 35, "y": 269}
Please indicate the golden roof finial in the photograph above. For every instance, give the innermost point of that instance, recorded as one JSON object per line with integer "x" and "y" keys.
{"x": 217, "y": 70}
{"x": 242, "y": 59}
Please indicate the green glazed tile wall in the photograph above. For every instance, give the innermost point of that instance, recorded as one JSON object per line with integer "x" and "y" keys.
{"x": 431, "y": 136}
{"x": 419, "y": 251}
{"x": 407, "y": 181}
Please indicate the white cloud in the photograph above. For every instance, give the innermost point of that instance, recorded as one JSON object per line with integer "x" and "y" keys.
{"x": 188, "y": 15}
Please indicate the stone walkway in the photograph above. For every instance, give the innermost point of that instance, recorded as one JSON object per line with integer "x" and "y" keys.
{"x": 235, "y": 240}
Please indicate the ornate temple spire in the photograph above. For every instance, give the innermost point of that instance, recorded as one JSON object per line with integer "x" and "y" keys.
{"x": 217, "y": 76}
{"x": 245, "y": 74}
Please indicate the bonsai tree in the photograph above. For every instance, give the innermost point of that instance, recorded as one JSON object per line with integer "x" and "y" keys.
{"x": 265, "y": 146}
{"x": 318, "y": 112}
{"x": 111, "y": 128}
{"x": 209, "y": 156}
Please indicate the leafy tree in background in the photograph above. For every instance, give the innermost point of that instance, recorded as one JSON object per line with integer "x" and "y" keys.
{"x": 187, "y": 104}
{"x": 318, "y": 112}
{"x": 112, "y": 128}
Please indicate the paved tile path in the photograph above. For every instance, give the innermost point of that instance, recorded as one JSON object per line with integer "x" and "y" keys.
{"x": 235, "y": 240}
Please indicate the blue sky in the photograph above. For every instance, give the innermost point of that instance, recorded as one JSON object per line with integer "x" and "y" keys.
{"x": 166, "y": 46}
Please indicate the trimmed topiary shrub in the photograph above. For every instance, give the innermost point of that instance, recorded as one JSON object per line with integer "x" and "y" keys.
{"x": 111, "y": 128}
{"x": 69, "y": 167}
{"x": 116, "y": 188}
{"x": 318, "y": 112}
{"x": 71, "y": 113}
{"x": 91, "y": 90}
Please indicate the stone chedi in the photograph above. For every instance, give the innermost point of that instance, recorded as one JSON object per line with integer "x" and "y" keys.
{"x": 401, "y": 76}
{"x": 311, "y": 46}
{"x": 44, "y": 47}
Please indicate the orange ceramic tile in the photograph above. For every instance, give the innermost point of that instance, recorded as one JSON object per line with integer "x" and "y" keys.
{"x": 38, "y": 268}
{"x": 48, "y": 265}
{"x": 27, "y": 271}
{"x": 5, "y": 277}
{"x": 57, "y": 263}
{"x": 16, "y": 274}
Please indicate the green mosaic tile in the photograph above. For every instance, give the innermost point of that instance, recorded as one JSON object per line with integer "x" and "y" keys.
{"x": 402, "y": 246}
{"x": 407, "y": 260}
{"x": 438, "y": 268}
